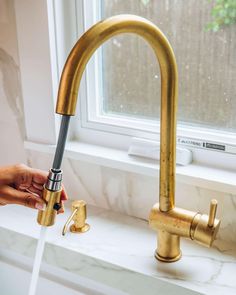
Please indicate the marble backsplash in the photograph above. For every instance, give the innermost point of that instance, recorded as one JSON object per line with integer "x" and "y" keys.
{"x": 135, "y": 194}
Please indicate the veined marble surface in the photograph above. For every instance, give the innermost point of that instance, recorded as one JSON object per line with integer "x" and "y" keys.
{"x": 118, "y": 251}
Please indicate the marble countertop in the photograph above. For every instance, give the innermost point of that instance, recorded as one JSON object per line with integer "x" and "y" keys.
{"x": 118, "y": 251}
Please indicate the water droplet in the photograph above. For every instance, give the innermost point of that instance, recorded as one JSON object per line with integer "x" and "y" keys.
{"x": 156, "y": 76}
{"x": 116, "y": 43}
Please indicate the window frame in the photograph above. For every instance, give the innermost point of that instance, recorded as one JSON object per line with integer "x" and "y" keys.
{"x": 109, "y": 131}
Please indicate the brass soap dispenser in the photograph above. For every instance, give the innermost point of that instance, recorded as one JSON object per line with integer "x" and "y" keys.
{"x": 78, "y": 215}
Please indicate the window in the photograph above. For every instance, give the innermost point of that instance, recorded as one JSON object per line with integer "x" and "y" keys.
{"x": 123, "y": 97}
{"x": 206, "y": 64}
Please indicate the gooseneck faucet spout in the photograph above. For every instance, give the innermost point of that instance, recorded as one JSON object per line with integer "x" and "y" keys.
{"x": 75, "y": 66}
{"x": 80, "y": 55}
{"x": 66, "y": 106}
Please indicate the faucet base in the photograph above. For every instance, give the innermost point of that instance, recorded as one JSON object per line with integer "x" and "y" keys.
{"x": 167, "y": 259}
{"x": 168, "y": 249}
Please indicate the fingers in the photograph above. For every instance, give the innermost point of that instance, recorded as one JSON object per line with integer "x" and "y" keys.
{"x": 26, "y": 187}
{"x": 38, "y": 186}
{"x": 32, "y": 190}
{"x": 24, "y": 177}
{"x": 32, "y": 186}
{"x": 31, "y": 180}
{"x": 39, "y": 177}
{"x": 64, "y": 195}
{"x": 10, "y": 195}
{"x": 62, "y": 209}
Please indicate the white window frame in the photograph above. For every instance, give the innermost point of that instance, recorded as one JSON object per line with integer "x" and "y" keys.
{"x": 39, "y": 100}
{"x": 115, "y": 131}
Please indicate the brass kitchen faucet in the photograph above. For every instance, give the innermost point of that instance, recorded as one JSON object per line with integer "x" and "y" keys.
{"x": 170, "y": 222}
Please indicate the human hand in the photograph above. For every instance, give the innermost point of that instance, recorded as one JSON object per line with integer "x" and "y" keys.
{"x": 20, "y": 184}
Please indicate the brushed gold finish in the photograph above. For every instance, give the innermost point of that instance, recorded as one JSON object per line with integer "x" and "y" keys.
{"x": 47, "y": 216}
{"x": 168, "y": 247}
{"x": 205, "y": 234}
{"x": 176, "y": 221}
{"x": 171, "y": 223}
{"x": 80, "y": 55}
{"x": 212, "y": 213}
{"x": 79, "y": 215}
{"x": 179, "y": 222}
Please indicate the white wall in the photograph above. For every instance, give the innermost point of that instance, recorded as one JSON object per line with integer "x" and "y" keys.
{"x": 11, "y": 110}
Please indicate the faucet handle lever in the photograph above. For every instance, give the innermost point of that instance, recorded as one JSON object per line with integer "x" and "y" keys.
{"x": 212, "y": 213}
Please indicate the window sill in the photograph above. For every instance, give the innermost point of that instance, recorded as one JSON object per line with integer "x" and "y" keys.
{"x": 197, "y": 175}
